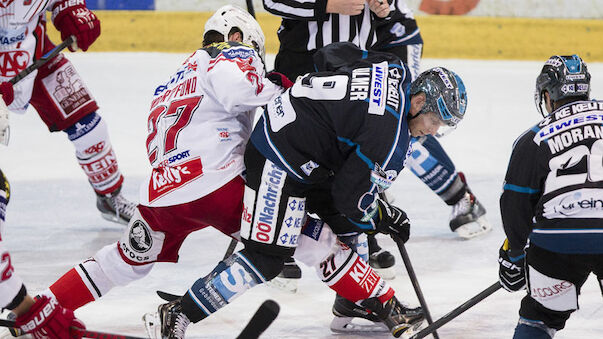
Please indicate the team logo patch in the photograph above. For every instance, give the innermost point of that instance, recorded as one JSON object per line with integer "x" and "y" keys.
{"x": 140, "y": 238}
{"x": 67, "y": 90}
{"x": 169, "y": 178}
{"x": 5, "y": 3}
{"x": 13, "y": 62}
{"x": 378, "y": 89}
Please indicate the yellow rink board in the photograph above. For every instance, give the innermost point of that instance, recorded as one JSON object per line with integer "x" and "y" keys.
{"x": 445, "y": 36}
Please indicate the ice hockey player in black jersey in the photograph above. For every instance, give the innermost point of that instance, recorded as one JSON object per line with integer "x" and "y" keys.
{"x": 552, "y": 203}
{"x": 348, "y": 129}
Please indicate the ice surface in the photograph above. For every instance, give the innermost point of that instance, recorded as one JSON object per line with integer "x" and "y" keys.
{"x": 53, "y": 223}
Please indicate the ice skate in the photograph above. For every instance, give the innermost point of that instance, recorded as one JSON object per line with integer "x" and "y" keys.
{"x": 350, "y": 318}
{"x": 468, "y": 217}
{"x": 114, "y": 207}
{"x": 381, "y": 261}
{"x": 288, "y": 278}
{"x": 400, "y": 319}
{"x": 168, "y": 323}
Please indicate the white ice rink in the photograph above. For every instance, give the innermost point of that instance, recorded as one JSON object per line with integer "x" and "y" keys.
{"x": 52, "y": 222}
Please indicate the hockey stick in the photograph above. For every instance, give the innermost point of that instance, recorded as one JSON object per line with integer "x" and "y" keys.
{"x": 250, "y": 8}
{"x": 233, "y": 242}
{"x": 415, "y": 282}
{"x": 457, "y": 311}
{"x": 260, "y": 321}
{"x": 80, "y": 332}
{"x": 38, "y": 63}
{"x": 231, "y": 248}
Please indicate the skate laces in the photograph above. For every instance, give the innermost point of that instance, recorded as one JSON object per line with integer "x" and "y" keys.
{"x": 122, "y": 206}
{"x": 176, "y": 322}
{"x": 180, "y": 325}
{"x": 463, "y": 206}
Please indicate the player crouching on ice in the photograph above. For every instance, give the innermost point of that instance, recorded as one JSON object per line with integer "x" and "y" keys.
{"x": 203, "y": 87}
{"x": 348, "y": 129}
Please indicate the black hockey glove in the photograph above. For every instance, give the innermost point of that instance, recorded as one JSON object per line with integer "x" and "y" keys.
{"x": 511, "y": 272}
{"x": 392, "y": 220}
{"x": 279, "y": 79}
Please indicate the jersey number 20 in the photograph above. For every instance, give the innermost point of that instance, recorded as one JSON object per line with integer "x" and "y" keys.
{"x": 572, "y": 168}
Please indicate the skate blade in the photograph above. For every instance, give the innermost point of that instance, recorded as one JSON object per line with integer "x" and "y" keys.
{"x": 386, "y": 273}
{"x": 152, "y": 325}
{"x": 475, "y": 228}
{"x": 113, "y": 218}
{"x": 284, "y": 284}
{"x": 413, "y": 329}
{"x": 352, "y": 325}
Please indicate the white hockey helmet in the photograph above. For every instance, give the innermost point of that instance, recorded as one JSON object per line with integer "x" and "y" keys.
{"x": 228, "y": 17}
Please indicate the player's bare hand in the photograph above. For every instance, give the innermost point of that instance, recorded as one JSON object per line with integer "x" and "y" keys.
{"x": 345, "y": 7}
{"x": 379, "y": 7}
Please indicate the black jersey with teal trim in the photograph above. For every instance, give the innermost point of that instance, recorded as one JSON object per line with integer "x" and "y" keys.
{"x": 553, "y": 191}
{"x": 346, "y": 126}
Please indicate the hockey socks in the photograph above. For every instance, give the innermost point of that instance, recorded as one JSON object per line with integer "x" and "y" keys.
{"x": 95, "y": 155}
{"x": 351, "y": 277}
{"x": 231, "y": 278}
{"x": 94, "y": 277}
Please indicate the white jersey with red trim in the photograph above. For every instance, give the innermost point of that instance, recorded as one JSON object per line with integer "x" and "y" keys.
{"x": 22, "y": 31}
{"x": 10, "y": 283}
{"x": 200, "y": 121}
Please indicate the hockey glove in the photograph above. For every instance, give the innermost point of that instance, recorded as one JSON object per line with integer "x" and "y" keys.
{"x": 392, "y": 220}
{"x": 511, "y": 272}
{"x": 47, "y": 319}
{"x": 279, "y": 79}
{"x": 6, "y": 91}
{"x": 72, "y": 17}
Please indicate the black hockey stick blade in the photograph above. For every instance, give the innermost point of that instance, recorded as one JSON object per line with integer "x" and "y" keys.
{"x": 457, "y": 311}
{"x": 167, "y": 296}
{"x": 80, "y": 332}
{"x": 260, "y": 321}
{"x": 38, "y": 63}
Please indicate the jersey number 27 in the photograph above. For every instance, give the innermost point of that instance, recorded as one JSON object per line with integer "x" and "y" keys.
{"x": 183, "y": 110}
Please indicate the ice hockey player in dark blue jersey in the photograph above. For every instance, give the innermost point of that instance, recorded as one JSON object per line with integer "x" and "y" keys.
{"x": 348, "y": 130}
{"x": 552, "y": 203}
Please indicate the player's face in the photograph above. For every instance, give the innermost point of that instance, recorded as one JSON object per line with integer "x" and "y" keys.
{"x": 424, "y": 124}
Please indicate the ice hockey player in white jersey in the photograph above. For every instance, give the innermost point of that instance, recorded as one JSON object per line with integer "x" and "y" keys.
{"x": 41, "y": 316}
{"x": 552, "y": 203}
{"x": 199, "y": 121}
{"x": 58, "y": 93}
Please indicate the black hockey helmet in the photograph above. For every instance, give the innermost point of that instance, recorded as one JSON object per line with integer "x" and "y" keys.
{"x": 562, "y": 77}
{"x": 445, "y": 95}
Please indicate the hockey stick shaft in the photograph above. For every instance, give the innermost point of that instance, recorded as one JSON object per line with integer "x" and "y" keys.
{"x": 250, "y": 7}
{"x": 230, "y": 249}
{"x": 38, "y": 63}
{"x": 415, "y": 281}
{"x": 80, "y": 332}
{"x": 457, "y": 311}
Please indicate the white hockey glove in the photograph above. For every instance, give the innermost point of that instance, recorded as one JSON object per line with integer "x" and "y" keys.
{"x": 4, "y": 125}
{"x": 7, "y": 95}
